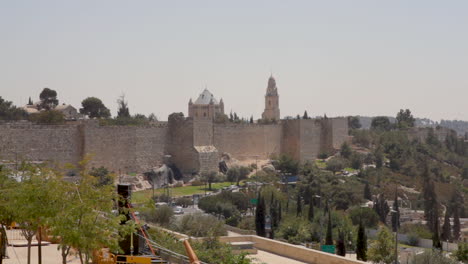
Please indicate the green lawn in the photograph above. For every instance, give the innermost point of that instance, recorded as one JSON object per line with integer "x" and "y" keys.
{"x": 143, "y": 196}
{"x": 320, "y": 163}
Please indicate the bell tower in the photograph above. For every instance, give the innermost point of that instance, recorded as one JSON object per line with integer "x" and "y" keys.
{"x": 272, "y": 111}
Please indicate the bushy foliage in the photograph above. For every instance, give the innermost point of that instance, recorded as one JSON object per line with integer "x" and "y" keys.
{"x": 432, "y": 257}
{"x": 10, "y": 112}
{"x": 49, "y": 117}
{"x": 199, "y": 225}
{"x": 161, "y": 215}
{"x": 382, "y": 249}
{"x": 368, "y": 216}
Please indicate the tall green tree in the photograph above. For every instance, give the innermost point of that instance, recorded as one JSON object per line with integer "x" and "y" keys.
{"x": 383, "y": 248}
{"x": 354, "y": 122}
{"x": 361, "y": 243}
{"x": 367, "y": 192}
{"x": 431, "y": 211}
{"x": 329, "y": 235}
{"x": 395, "y": 214}
{"x": 94, "y": 108}
{"x": 405, "y": 119}
{"x": 456, "y": 225}
{"x": 435, "y": 235}
{"x": 122, "y": 108}
{"x": 209, "y": 177}
{"x": 10, "y": 112}
{"x": 310, "y": 214}
{"x": 340, "y": 244}
{"x": 305, "y": 116}
{"x": 48, "y": 99}
{"x": 345, "y": 150}
{"x": 381, "y": 123}
{"x": 298, "y": 205}
{"x": 446, "y": 227}
{"x": 260, "y": 213}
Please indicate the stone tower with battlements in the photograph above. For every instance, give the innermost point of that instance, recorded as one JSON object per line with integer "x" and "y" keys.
{"x": 272, "y": 111}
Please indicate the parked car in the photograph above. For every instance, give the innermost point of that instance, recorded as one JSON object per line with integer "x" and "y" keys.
{"x": 178, "y": 210}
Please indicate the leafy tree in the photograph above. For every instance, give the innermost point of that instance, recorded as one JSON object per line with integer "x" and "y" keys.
{"x": 345, "y": 150}
{"x": 48, "y": 117}
{"x": 353, "y": 122}
{"x": 379, "y": 158}
{"x": 94, "y": 108}
{"x": 243, "y": 173}
{"x": 123, "y": 111}
{"x": 356, "y": 160}
{"x": 102, "y": 175}
{"x": 286, "y": 164}
{"x": 446, "y": 228}
{"x": 462, "y": 253}
{"x": 48, "y": 99}
{"x": 232, "y": 174}
{"x": 251, "y": 121}
{"x": 405, "y": 119}
{"x": 367, "y": 192}
{"x": 305, "y": 116}
{"x": 364, "y": 215}
{"x": 335, "y": 165}
{"x": 329, "y": 236}
{"x": 260, "y": 217}
{"x": 383, "y": 248}
{"x": 10, "y": 112}
{"x": 395, "y": 214}
{"x": 381, "y": 123}
{"x": 361, "y": 243}
{"x": 209, "y": 177}
{"x": 152, "y": 117}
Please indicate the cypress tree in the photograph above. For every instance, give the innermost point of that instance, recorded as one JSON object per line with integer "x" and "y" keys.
{"x": 260, "y": 217}
{"x": 456, "y": 224}
{"x": 446, "y": 228}
{"x": 340, "y": 244}
{"x": 329, "y": 236}
{"x": 305, "y": 116}
{"x": 361, "y": 243}
{"x": 299, "y": 205}
{"x": 396, "y": 216}
{"x": 431, "y": 212}
{"x": 367, "y": 192}
{"x": 435, "y": 235}
{"x": 251, "y": 120}
{"x": 310, "y": 215}
{"x": 30, "y": 102}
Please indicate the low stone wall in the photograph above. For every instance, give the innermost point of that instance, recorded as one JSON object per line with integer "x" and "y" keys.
{"x": 291, "y": 251}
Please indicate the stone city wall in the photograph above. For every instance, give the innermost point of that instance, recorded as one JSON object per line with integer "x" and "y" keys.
{"x": 125, "y": 149}
{"x": 26, "y": 141}
{"x": 248, "y": 141}
{"x": 339, "y": 131}
{"x": 310, "y": 139}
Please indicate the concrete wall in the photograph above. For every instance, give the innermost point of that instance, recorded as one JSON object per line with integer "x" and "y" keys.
{"x": 291, "y": 251}
{"x": 246, "y": 141}
{"x": 25, "y": 141}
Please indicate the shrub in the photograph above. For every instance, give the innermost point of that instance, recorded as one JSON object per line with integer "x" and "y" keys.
{"x": 199, "y": 225}
{"x": 197, "y": 183}
{"x": 184, "y": 201}
{"x": 432, "y": 257}
{"x": 368, "y": 216}
{"x": 161, "y": 215}
{"x": 323, "y": 155}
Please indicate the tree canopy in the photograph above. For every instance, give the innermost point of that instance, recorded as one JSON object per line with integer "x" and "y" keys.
{"x": 48, "y": 99}
{"x": 94, "y": 108}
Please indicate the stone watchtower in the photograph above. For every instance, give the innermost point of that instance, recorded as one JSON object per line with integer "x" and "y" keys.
{"x": 272, "y": 111}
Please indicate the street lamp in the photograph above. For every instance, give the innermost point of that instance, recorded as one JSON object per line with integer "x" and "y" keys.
{"x": 396, "y": 236}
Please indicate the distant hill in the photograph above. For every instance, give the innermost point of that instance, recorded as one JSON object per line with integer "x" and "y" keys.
{"x": 461, "y": 127}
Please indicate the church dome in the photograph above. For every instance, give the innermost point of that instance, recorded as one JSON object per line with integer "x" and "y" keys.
{"x": 205, "y": 98}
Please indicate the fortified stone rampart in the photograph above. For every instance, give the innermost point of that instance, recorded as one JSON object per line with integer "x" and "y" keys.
{"x": 194, "y": 145}
{"x": 248, "y": 141}
{"x": 125, "y": 148}
{"x": 49, "y": 143}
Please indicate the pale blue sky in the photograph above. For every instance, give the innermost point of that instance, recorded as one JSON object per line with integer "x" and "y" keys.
{"x": 335, "y": 57}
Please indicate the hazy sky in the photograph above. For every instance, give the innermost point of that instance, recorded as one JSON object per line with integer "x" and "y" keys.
{"x": 351, "y": 57}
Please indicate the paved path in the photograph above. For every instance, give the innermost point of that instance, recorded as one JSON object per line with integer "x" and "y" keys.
{"x": 267, "y": 257}
{"x": 50, "y": 255}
